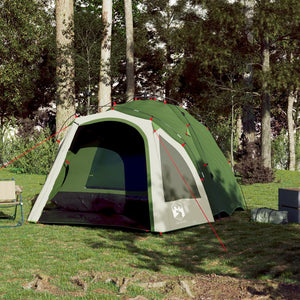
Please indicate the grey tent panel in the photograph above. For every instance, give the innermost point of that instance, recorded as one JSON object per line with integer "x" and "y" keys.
{"x": 178, "y": 181}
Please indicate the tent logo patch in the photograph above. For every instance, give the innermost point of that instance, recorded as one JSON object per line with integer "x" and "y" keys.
{"x": 178, "y": 211}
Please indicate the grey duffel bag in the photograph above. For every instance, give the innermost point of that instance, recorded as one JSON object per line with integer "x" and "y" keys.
{"x": 268, "y": 215}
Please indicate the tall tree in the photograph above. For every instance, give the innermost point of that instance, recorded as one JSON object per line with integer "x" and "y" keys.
{"x": 291, "y": 133}
{"x": 104, "y": 93}
{"x": 25, "y": 57}
{"x": 290, "y": 73}
{"x": 276, "y": 29}
{"x": 215, "y": 52}
{"x": 266, "y": 106}
{"x": 156, "y": 49}
{"x": 287, "y": 81}
{"x": 129, "y": 50}
{"x": 88, "y": 36}
{"x": 248, "y": 110}
{"x": 65, "y": 69}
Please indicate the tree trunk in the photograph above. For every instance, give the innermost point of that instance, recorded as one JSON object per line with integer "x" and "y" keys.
{"x": 266, "y": 109}
{"x": 104, "y": 93}
{"x": 232, "y": 135}
{"x": 297, "y": 138}
{"x": 291, "y": 133}
{"x": 238, "y": 129}
{"x": 65, "y": 70}
{"x": 248, "y": 112}
{"x": 248, "y": 121}
{"x": 129, "y": 50}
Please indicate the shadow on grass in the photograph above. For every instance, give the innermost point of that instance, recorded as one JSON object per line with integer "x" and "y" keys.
{"x": 257, "y": 251}
{"x": 254, "y": 250}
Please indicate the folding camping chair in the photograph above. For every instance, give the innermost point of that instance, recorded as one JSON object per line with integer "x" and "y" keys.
{"x": 10, "y": 198}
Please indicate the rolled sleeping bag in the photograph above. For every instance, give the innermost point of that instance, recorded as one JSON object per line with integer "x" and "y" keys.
{"x": 268, "y": 215}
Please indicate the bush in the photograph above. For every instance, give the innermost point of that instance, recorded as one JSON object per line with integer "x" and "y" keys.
{"x": 280, "y": 151}
{"x": 250, "y": 165}
{"x": 36, "y": 161}
{"x": 7, "y": 131}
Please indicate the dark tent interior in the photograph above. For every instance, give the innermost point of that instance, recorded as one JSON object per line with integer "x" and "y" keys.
{"x": 104, "y": 181}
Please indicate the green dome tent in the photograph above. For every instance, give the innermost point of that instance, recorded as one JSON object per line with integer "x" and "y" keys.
{"x": 144, "y": 164}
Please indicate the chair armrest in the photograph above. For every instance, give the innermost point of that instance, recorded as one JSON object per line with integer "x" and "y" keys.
{"x": 18, "y": 189}
{"x": 8, "y": 203}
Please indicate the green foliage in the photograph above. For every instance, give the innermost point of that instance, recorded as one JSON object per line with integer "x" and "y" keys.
{"x": 27, "y": 40}
{"x": 276, "y": 26}
{"x": 88, "y": 35}
{"x": 4, "y": 137}
{"x": 221, "y": 131}
{"x": 190, "y": 50}
{"x": 36, "y": 161}
{"x": 157, "y": 47}
{"x": 280, "y": 151}
{"x": 201, "y": 52}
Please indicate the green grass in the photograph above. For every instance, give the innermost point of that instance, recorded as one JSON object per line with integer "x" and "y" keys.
{"x": 254, "y": 251}
{"x": 260, "y": 195}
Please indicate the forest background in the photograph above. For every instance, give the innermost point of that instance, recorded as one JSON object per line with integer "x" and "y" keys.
{"x": 233, "y": 64}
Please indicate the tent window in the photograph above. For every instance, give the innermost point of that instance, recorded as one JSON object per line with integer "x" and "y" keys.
{"x": 175, "y": 188}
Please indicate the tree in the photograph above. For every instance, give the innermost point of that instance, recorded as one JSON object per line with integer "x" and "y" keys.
{"x": 291, "y": 134}
{"x": 276, "y": 27}
{"x": 89, "y": 32}
{"x": 264, "y": 25}
{"x": 65, "y": 69}
{"x": 88, "y": 36}
{"x": 156, "y": 52}
{"x": 297, "y": 129}
{"x": 215, "y": 51}
{"x": 266, "y": 107}
{"x": 287, "y": 76}
{"x": 104, "y": 93}
{"x": 26, "y": 71}
{"x": 248, "y": 110}
{"x": 201, "y": 51}
{"x": 129, "y": 50}
{"x": 288, "y": 71}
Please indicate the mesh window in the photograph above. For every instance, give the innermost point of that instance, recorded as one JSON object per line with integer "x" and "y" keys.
{"x": 178, "y": 181}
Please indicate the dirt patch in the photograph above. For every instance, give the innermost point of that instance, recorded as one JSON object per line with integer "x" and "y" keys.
{"x": 225, "y": 287}
{"x": 77, "y": 280}
{"x": 202, "y": 287}
{"x": 210, "y": 287}
{"x": 41, "y": 283}
{"x": 206, "y": 287}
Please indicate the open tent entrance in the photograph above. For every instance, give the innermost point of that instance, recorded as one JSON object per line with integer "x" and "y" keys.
{"x": 104, "y": 180}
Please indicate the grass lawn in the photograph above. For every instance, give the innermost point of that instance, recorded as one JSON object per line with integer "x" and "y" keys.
{"x": 72, "y": 262}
